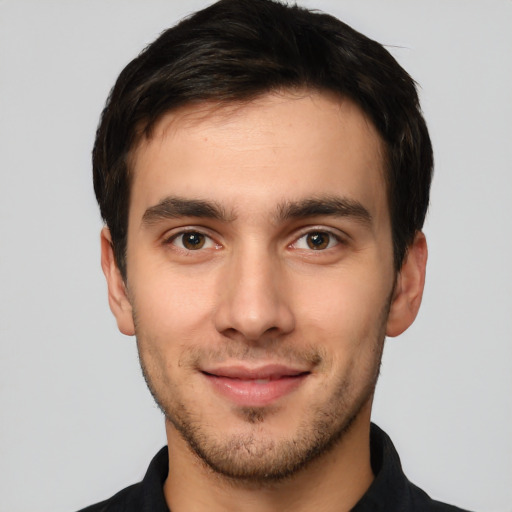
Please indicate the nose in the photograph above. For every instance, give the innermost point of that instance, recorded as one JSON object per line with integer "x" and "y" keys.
{"x": 253, "y": 302}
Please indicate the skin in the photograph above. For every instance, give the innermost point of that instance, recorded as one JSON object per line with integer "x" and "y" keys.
{"x": 256, "y": 292}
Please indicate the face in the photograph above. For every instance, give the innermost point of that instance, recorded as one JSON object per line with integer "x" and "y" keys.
{"x": 260, "y": 279}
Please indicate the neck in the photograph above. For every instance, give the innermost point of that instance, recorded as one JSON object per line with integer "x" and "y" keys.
{"x": 335, "y": 481}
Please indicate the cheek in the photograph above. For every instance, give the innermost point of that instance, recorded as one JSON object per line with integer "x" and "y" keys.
{"x": 345, "y": 311}
{"x": 343, "y": 298}
{"x": 172, "y": 312}
{"x": 166, "y": 295}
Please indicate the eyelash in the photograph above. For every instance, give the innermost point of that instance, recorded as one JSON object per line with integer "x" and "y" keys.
{"x": 181, "y": 234}
{"x": 334, "y": 240}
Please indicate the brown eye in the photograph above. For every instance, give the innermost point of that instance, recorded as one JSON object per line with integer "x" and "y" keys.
{"x": 193, "y": 241}
{"x": 318, "y": 240}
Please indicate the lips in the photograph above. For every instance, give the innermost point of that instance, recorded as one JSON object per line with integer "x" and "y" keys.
{"x": 255, "y": 387}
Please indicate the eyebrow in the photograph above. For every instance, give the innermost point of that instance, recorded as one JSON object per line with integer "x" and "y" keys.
{"x": 331, "y": 206}
{"x": 173, "y": 207}
{"x": 176, "y": 207}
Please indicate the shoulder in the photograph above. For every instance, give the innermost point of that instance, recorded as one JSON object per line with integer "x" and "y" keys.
{"x": 127, "y": 499}
{"x": 421, "y": 501}
{"x": 147, "y": 495}
{"x": 391, "y": 489}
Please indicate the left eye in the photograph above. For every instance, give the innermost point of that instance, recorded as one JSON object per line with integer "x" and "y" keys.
{"x": 192, "y": 241}
{"x": 316, "y": 240}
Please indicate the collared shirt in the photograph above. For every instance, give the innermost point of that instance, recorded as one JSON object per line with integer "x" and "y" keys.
{"x": 390, "y": 491}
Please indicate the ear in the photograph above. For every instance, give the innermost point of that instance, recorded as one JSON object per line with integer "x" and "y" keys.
{"x": 409, "y": 287}
{"x": 117, "y": 293}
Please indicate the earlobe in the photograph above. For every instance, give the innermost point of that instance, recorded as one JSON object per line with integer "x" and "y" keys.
{"x": 409, "y": 288}
{"x": 117, "y": 294}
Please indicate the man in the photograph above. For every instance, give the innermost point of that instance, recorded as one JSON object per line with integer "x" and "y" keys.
{"x": 264, "y": 173}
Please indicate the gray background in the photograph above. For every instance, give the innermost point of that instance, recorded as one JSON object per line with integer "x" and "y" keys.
{"x": 77, "y": 422}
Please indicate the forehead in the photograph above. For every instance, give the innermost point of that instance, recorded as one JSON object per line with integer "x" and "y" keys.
{"x": 291, "y": 145}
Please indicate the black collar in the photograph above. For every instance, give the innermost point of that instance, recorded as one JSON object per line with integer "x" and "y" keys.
{"x": 390, "y": 491}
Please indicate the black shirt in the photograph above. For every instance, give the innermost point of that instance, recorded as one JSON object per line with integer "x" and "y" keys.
{"x": 390, "y": 491}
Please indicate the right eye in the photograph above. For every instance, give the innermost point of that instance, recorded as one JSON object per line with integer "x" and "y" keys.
{"x": 192, "y": 241}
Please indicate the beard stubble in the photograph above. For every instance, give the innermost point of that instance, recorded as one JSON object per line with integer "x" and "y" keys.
{"x": 252, "y": 457}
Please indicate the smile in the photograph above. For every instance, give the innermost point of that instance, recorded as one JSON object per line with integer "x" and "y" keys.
{"x": 255, "y": 387}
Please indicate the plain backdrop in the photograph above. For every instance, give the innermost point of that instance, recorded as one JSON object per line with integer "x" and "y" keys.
{"x": 77, "y": 423}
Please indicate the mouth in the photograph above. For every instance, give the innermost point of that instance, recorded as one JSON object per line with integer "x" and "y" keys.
{"x": 255, "y": 387}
